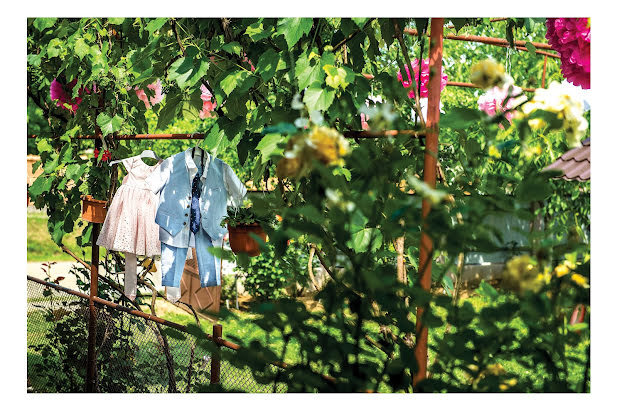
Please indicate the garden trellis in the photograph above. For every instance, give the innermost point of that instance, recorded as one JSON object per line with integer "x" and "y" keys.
{"x": 431, "y": 138}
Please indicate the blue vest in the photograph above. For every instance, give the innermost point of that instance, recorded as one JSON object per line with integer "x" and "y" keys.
{"x": 173, "y": 213}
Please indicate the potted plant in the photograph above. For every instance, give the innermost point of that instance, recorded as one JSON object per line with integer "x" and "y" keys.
{"x": 94, "y": 209}
{"x": 241, "y": 222}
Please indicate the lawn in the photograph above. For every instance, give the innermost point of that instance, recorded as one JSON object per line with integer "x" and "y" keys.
{"x": 40, "y": 245}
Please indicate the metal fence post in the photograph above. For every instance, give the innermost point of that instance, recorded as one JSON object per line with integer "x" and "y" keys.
{"x": 94, "y": 279}
{"x": 215, "y": 367}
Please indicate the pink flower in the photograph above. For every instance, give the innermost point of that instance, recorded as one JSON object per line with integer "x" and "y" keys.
{"x": 424, "y": 81}
{"x": 246, "y": 59}
{"x": 571, "y": 37}
{"x": 158, "y": 93}
{"x": 62, "y": 95}
{"x": 491, "y": 102}
{"x": 209, "y": 105}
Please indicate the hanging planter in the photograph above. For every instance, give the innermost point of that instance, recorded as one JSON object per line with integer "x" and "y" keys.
{"x": 240, "y": 239}
{"x": 241, "y": 222}
{"x": 93, "y": 210}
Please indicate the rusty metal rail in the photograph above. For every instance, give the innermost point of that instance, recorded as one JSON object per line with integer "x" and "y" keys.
{"x": 150, "y": 317}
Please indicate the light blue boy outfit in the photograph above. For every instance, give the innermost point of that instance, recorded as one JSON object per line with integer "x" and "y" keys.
{"x": 173, "y": 180}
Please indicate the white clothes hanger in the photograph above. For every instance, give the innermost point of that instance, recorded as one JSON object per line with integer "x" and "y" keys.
{"x": 144, "y": 154}
{"x": 198, "y": 150}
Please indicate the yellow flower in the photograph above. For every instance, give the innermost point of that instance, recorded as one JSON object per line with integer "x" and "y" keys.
{"x": 494, "y": 152}
{"x": 508, "y": 384}
{"x": 495, "y": 369}
{"x": 487, "y": 73}
{"x": 558, "y": 99}
{"x": 530, "y": 152}
{"x": 579, "y": 280}
{"x": 328, "y": 144}
{"x": 561, "y": 270}
{"x": 521, "y": 274}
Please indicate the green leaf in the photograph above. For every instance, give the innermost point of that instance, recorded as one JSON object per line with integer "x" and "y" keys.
{"x": 214, "y": 140}
{"x": 487, "y": 290}
{"x": 54, "y": 47}
{"x": 335, "y": 76}
{"x": 317, "y": 98}
{"x": 461, "y": 118}
{"x": 81, "y": 48}
{"x": 236, "y": 79}
{"x": 257, "y": 32}
{"x": 267, "y": 145}
{"x": 44, "y": 23}
{"x": 534, "y": 187}
{"x": 34, "y": 60}
{"x": 267, "y": 64}
{"x": 187, "y": 72}
{"x": 530, "y": 47}
{"x": 75, "y": 171}
{"x": 41, "y": 185}
{"x": 109, "y": 125}
{"x": 308, "y": 72}
{"x": 361, "y": 239}
{"x": 116, "y": 20}
{"x": 360, "y": 21}
{"x": 43, "y": 146}
{"x": 233, "y": 48}
{"x": 156, "y": 24}
{"x": 169, "y": 111}
{"x": 293, "y": 28}
{"x": 459, "y": 23}
{"x": 50, "y": 166}
{"x": 247, "y": 144}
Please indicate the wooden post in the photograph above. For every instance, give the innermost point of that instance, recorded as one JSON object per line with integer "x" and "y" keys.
{"x": 544, "y": 72}
{"x": 430, "y": 169}
{"x": 215, "y": 367}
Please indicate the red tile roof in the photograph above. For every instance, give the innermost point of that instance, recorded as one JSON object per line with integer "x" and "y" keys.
{"x": 575, "y": 164}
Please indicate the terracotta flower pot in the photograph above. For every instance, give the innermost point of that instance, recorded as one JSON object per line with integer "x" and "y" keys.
{"x": 93, "y": 210}
{"x": 241, "y": 241}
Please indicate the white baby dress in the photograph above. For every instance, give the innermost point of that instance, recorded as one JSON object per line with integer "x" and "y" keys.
{"x": 129, "y": 226}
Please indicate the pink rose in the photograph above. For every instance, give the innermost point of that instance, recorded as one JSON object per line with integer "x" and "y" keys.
{"x": 571, "y": 37}
{"x": 62, "y": 95}
{"x": 424, "y": 78}
{"x": 209, "y": 105}
{"x": 158, "y": 93}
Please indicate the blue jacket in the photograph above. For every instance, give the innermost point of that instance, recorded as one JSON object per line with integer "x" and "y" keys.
{"x": 172, "y": 180}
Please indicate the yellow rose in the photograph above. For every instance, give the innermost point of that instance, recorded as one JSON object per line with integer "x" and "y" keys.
{"x": 561, "y": 270}
{"x": 579, "y": 280}
{"x": 494, "y": 152}
{"x": 521, "y": 274}
{"x": 495, "y": 369}
{"x": 557, "y": 98}
{"x": 328, "y": 145}
{"x": 509, "y": 383}
{"x": 487, "y": 73}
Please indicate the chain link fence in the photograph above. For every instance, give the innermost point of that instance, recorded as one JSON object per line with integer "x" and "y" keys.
{"x": 133, "y": 354}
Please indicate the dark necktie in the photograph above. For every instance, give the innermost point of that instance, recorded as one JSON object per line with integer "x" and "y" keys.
{"x": 196, "y": 191}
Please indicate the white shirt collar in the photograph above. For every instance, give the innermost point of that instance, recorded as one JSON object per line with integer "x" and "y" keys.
{"x": 192, "y": 167}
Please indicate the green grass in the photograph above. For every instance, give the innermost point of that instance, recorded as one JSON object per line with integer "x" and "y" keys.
{"x": 40, "y": 245}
